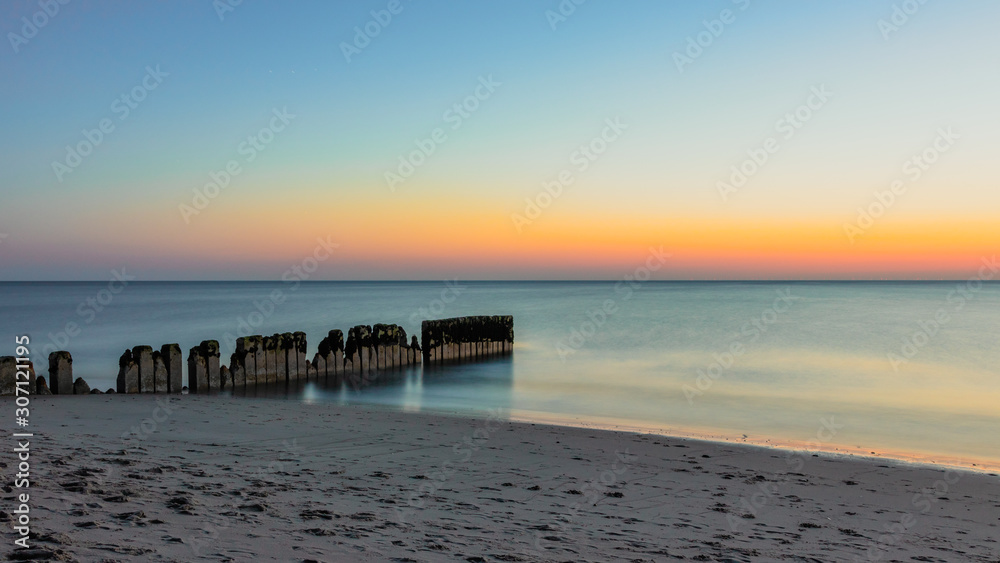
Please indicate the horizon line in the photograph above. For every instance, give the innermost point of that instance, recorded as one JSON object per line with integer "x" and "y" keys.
{"x": 700, "y": 280}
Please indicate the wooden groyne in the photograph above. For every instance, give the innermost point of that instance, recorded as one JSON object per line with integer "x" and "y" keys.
{"x": 467, "y": 338}
{"x": 9, "y": 368}
{"x": 369, "y": 350}
{"x": 14, "y": 374}
{"x": 261, "y": 360}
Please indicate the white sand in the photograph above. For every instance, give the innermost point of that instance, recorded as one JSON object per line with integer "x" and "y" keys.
{"x": 270, "y": 480}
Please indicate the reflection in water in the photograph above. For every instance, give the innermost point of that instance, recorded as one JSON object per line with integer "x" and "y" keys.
{"x": 825, "y": 356}
{"x": 460, "y": 388}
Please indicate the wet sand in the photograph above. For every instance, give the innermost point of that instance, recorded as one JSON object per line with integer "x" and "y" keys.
{"x": 182, "y": 478}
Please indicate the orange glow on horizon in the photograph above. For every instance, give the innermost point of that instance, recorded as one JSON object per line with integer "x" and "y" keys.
{"x": 436, "y": 239}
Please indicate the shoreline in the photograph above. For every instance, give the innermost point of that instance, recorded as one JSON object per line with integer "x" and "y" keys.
{"x": 280, "y": 480}
{"x": 902, "y": 457}
{"x": 717, "y": 436}
{"x": 885, "y": 455}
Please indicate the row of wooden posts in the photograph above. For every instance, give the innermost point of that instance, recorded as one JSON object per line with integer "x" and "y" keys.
{"x": 281, "y": 358}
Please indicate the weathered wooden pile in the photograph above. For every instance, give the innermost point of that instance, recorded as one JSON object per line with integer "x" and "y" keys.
{"x": 144, "y": 370}
{"x": 467, "y": 338}
{"x": 9, "y": 369}
{"x": 13, "y": 372}
{"x": 281, "y": 358}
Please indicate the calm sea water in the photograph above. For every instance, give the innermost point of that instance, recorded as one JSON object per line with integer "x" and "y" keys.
{"x": 894, "y": 368}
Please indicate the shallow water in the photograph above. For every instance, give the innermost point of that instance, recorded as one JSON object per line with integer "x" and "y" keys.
{"x": 779, "y": 363}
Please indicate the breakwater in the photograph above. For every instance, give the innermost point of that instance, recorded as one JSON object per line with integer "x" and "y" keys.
{"x": 357, "y": 361}
{"x": 467, "y": 338}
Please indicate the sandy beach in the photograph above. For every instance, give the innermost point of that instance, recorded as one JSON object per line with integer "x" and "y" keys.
{"x": 181, "y": 478}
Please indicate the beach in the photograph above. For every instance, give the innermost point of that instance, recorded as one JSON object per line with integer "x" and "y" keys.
{"x": 181, "y": 478}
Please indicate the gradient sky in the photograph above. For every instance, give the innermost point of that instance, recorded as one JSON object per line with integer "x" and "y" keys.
{"x": 323, "y": 176}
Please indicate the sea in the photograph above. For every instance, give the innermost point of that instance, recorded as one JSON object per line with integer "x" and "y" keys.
{"x": 902, "y": 370}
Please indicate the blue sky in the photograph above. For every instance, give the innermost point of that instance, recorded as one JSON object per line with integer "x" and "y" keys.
{"x": 354, "y": 119}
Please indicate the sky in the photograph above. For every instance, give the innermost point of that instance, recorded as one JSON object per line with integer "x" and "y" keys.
{"x": 747, "y": 139}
